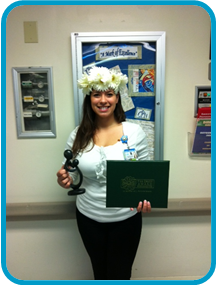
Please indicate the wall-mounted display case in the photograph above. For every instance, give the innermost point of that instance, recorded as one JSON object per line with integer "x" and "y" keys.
{"x": 34, "y": 102}
{"x": 140, "y": 56}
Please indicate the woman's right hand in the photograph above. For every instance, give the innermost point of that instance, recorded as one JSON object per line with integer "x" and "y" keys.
{"x": 63, "y": 178}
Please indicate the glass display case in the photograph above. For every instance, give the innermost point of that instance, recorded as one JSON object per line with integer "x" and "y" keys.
{"x": 140, "y": 56}
{"x": 34, "y": 102}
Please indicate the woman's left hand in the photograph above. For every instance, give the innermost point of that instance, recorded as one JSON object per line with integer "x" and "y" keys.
{"x": 144, "y": 207}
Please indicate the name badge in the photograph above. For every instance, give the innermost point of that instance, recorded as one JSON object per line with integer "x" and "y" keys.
{"x": 130, "y": 154}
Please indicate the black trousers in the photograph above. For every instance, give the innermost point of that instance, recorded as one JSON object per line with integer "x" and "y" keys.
{"x": 112, "y": 246}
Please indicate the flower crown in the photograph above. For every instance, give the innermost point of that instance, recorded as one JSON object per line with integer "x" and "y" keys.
{"x": 101, "y": 79}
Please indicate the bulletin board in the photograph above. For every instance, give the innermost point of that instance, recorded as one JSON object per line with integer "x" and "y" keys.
{"x": 139, "y": 55}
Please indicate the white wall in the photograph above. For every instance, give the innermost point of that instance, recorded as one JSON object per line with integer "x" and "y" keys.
{"x": 32, "y": 177}
{"x": 170, "y": 248}
{"x": 187, "y": 58}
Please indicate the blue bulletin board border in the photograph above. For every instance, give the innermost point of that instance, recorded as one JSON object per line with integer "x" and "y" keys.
{"x": 3, "y": 126}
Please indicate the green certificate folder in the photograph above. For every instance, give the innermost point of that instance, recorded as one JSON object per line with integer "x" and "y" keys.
{"x": 129, "y": 182}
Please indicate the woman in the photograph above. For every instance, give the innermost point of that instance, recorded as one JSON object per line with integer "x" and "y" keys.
{"x": 110, "y": 235}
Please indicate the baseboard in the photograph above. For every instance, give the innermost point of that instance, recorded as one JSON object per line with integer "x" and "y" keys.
{"x": 170, "y": 278}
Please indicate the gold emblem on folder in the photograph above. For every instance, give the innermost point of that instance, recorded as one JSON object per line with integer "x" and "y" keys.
{"x": 131, "y": 184}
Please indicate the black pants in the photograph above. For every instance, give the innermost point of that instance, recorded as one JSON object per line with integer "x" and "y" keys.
{"x": 112, "y": 247}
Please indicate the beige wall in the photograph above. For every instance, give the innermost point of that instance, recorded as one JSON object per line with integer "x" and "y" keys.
{"x": 32, "y": 163}
{"x": 187, "y": 58}
{"x": 170, "y": 248}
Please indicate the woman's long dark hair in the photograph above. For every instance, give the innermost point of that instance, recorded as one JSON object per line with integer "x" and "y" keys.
{"x": 87, "y": 128}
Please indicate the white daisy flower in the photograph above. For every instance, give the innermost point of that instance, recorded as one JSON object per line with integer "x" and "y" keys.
{"x": 101, "y": 79}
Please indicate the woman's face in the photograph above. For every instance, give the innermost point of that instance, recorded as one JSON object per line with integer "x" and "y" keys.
{"x": 103, "y": 103}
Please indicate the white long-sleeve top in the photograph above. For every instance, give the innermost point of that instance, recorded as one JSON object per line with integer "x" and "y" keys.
{"x": 93, "y": 166}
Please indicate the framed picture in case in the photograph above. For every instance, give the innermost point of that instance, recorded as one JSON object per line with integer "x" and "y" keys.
{"x": 34, "y": 102}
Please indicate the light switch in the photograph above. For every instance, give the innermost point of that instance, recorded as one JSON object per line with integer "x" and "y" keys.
{"x": 30, "y": 32}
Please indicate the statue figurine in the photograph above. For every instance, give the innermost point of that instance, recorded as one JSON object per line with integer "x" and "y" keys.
{"x": 72, "y": 166}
